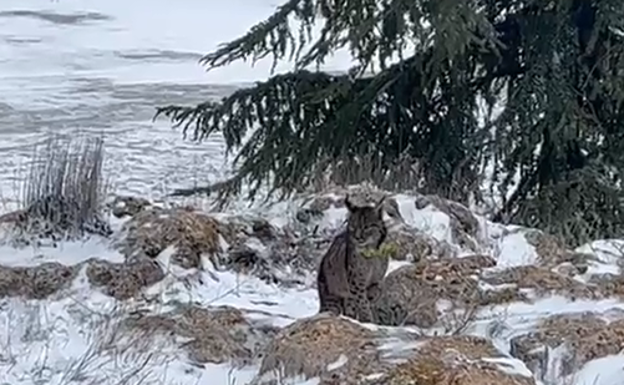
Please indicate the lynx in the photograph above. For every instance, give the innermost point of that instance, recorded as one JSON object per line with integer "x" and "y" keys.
{"x": 348, "y": 281}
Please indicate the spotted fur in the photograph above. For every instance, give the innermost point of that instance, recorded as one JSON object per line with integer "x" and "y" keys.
{"x": 348, "y": 282}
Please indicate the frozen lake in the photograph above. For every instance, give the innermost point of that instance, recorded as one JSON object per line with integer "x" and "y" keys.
{"x": 103, "y": 66}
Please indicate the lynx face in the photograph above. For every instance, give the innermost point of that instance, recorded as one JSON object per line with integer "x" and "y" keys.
{"x": 366, "y": 226}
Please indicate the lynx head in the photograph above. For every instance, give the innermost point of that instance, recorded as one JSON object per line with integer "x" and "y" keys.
{"x": 365, "y": 225}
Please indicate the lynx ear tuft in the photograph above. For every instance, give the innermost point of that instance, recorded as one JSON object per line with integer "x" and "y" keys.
{"x": 379, "y": 205}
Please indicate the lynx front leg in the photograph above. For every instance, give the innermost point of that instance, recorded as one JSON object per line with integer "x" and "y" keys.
{"x": 358, "y": 307}
{"x": 332, "y": 304}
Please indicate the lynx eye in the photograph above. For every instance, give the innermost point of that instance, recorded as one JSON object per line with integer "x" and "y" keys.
{"x": 370, "y": 232}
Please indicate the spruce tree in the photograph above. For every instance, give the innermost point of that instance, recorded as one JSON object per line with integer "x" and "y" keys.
{"x": 554, "y": 69}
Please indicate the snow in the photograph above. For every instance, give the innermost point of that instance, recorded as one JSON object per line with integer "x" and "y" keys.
{"x": 602, "y": 371}
{"x": 49, "y": 340}
{"x": 106, "y": 75}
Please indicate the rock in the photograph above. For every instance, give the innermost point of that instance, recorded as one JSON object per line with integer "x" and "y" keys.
{"x": 213, "y": 335}
{"x": 336, "y": 350}
{"x": 124, "y": 280}
{"x": 192, "y": 233}
{"x": 37, "y": 282}
{"x": 465, "y": 227}
{"x": 416, "y": 246}
{"x": 128, "y": 206}
{"x": 553, "y": 252}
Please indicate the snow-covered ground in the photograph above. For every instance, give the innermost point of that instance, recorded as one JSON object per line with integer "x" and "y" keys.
{"x": 59, "y": 340}
{"x": 103, "y": 66}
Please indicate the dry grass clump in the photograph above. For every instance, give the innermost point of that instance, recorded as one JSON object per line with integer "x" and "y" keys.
{"x": 62, "y": 195}
{"x": 338, "y": 351}
{"x": 152, "y": 230}
{"x": 435, "y": 371}
{"x": 586, "y": 336}
{"x": 36, "y": 282}
{"x": 542, "y": 281}
{"x": 308, "y": 346}
{"x": 119, "y": 280}
{"x": 456, "y": 360}
{"x": 124, "y": 280}
{"x": 215, "y": 335}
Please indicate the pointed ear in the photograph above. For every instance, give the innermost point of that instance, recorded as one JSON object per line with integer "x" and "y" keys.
{"x": 379, "y": 204}
{"x": 348, "y": 204}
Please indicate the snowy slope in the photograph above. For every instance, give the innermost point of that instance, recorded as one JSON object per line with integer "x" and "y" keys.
{"x": 63, "y": 339}
{"x": 102, "y": 66}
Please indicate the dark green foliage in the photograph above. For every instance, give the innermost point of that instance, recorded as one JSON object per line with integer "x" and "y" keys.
{"x": 557, "y": 66}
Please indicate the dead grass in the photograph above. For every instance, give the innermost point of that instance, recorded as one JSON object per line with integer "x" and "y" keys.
{"x": 118, "y": 280}
{"x": 588, "y": 336}
{"x": 434, "y": 371}
{"x": 411, "y": 294}
{"x": 215, "y": 335}
{"x": 124, "y": 280}
{"x": 37, "y": 282}
{"x": 308, "y": 346}
{"x": 63, "y": 191}
{"x": 152, "y": 230}
{"x": 455, "y": 360}
{"x": 339, "y": 351}
{"x": 542, "y": 281}
{"x": 107, "y": 353}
